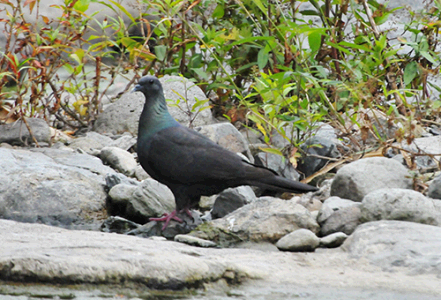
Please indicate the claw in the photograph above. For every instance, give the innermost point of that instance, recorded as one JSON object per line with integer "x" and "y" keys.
{"x": 167, "y": 218}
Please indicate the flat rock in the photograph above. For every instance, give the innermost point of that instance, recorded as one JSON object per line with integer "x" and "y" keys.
{"x": 57, "y": 255}
{"x": 400, "y": 204}
{"x": 44, "y": 254}
{"x": 357, "y": 179}
{"x": 393, "y": 244}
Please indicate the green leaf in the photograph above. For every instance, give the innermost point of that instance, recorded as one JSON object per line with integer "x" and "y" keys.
{"x": 410, "y": 72}
{"x": 123, "y": 9}
{"x": 310, "y": 12}
{"x": 260, "y": 6}
{"x": 78, "y": 56}
{"x": 82, "y": 5}
{"x": 252, "y": 39}
{"x": 355, "y": 46}
{"x": 195, "y": 61}
{"x": 381, "y": 18}
{"x": 199, "y": 103}
{"x": 339, "y": 47}
{"x": 436, "y": 104}
{"x": 200, "y": 72}
{"x": 218, "y": 12}
{"x": 128, "y": 42}
{"x": 160, "y": 52}
{"x": 271, "y": 150}
{"x": 429, "y": 57}
{"x": 262, "y": 58}
{"x": 315, "y": 40}
{"x": 69, "y": 68}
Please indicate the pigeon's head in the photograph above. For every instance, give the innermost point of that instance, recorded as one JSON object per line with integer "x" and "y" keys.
{"x": 148, "y": 85}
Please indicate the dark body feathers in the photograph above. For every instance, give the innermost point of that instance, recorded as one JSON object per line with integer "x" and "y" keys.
{"x": 190, "y": 164}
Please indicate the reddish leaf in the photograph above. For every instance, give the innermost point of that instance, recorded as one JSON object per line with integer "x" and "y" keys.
{"x": 37, "y": 64}
{"x": 193, "y": 5}
{"x": 45, "y": 19}
{"x": 31, "y": 4}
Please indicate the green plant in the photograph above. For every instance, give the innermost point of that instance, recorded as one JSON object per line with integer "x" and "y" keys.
{"x": 35, "y": 53}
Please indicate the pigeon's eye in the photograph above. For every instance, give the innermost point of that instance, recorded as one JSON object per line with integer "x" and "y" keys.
{"x": 151, "y": 81}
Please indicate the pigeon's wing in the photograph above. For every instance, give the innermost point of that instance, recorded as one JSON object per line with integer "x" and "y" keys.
{"x": 184, "y": 156}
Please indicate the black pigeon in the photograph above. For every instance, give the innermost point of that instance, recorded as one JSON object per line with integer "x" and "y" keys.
{"x": 190, "y": 164}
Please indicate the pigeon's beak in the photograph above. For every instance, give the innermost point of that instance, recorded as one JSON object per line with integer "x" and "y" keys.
{"x": 137, "y": 88}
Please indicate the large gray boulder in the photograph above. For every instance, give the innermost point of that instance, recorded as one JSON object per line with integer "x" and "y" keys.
{"x": 357, "y": 179}
{"x": 394, "y": 244}
{"x": 400, "y": 204}
{"x": 52, "y": 186}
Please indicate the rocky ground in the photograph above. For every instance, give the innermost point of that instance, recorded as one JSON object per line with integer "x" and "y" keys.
{"x": 366, "y": 233}
{"x": 380, "y": 256}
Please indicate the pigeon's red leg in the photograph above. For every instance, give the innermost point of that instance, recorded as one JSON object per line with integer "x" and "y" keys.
{"x": 188, "y": 212}
{"x": 167, "y": 218}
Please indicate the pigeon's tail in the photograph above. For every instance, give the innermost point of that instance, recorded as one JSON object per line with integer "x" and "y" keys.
{"x": 268, "y": 179}
{"x": 281, "y": 184}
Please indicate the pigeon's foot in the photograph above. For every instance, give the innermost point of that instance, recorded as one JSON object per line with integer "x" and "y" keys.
{"x": 167, "y": 218}
{"x": 188, "y": 212}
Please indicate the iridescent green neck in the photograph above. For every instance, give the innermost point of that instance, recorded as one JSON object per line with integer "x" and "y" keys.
{"x": 155, "y": 117}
